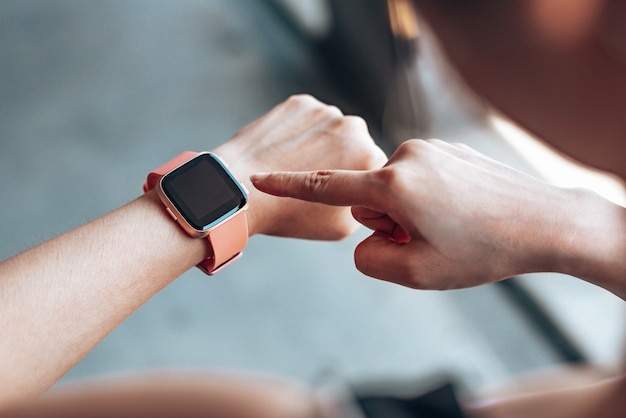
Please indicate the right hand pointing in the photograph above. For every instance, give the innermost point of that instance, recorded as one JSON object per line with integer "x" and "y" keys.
{"x": 443, "y": 216}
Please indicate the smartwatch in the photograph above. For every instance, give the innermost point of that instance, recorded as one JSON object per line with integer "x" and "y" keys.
{"x": 202, "y": 195}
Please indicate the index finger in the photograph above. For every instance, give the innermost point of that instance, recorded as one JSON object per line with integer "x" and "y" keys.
{"x": 332, "y": 187}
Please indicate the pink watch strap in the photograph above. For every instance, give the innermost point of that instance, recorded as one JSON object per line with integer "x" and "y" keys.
{"x": 227, "y": 240}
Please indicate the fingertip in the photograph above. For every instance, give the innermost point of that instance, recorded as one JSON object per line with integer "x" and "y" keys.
{"x": 258, "y": 177}
{"x": 268, "y": 183}
{"x": 400, "y": 236}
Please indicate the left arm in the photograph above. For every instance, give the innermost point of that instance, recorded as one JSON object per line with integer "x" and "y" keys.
{"x": 59, "y": 299}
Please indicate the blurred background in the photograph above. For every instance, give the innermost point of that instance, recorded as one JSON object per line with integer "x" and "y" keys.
{"x": 95, "y": 94}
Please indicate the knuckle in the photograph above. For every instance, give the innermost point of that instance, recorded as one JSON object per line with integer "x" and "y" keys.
{"x": 391, "y": 178}
{"x": 464, "y": 147}
{"x": 301, "y": 99}
{"x": 418, "y": 145}
{"x": 412, "y": 147}
{"x": 354, "y": 123}
{"x": 347, "y": 124}
{"x": 316, "y": 181}
{"x": 313, "y": 102}
{"x": 302, "y": 103}
{"x": 324, "y": 115}
{"x": 434, "y": 141}
{"x": 423, "y": 153}
{"x": 331, "y": 112}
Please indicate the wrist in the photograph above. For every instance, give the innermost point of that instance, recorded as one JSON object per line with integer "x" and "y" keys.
{"x": 593, "y": 242}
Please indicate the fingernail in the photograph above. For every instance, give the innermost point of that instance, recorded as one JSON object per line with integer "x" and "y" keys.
{"x": 259, "y": 177}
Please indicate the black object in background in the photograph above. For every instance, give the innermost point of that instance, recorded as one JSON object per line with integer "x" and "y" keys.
{"x": 440, "y": 402}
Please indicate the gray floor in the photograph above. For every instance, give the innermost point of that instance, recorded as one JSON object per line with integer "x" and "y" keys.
{"x": 95, "y": 94}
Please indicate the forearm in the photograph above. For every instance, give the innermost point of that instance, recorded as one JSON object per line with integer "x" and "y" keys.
{"x": 55, "y": 306}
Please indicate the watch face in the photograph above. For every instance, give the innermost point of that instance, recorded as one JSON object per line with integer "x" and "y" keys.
{"x": 204, "y": 192}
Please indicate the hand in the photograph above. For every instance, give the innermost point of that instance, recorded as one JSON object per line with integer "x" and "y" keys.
{"x": 444, "y": 216}
{"x": 300, "y": 134}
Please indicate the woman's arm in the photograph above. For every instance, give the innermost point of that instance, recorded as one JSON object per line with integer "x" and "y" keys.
{"x": 60, "y": 298}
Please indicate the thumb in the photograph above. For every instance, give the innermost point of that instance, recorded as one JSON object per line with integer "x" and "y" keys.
{"x": 381, "y": 257}
{"x": 332, "y": 187}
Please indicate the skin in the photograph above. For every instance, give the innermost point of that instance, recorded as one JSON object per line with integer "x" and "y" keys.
{"x": 558, "y": 69}
{"x": 50, "y": 321}
{"x": 168, "y": 394}
{"x": 601, "y": 398}
{"x": 435, "y": 208}
{"x": 561, "y": 76}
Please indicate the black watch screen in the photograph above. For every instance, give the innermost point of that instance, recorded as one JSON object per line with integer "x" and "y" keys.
{"x": 204, "y": 191}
